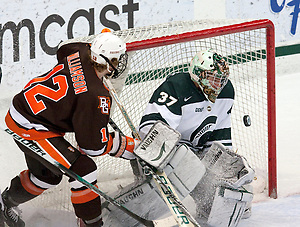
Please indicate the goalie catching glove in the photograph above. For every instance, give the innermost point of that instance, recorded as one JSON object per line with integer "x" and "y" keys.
{"x": 121, "y": 146}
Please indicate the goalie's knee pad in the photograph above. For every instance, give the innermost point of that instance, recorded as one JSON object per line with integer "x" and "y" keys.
{"x": 184, "y": 170}
{"x": 228, "y": 206}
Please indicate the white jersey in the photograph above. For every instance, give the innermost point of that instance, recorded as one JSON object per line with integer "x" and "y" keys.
{"x": 180, "y": 104}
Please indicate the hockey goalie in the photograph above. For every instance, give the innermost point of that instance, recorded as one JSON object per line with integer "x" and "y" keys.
{"x": 198, "y": 105}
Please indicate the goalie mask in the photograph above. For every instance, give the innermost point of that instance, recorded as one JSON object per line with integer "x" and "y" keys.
{"x": 210, "y": 71}
{"x": 107, "y": 46}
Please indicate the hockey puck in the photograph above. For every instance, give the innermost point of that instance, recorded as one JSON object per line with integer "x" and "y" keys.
{"x": 247, "y": 120}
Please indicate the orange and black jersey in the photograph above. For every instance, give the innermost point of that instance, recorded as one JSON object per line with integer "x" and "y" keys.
{"x": 68, "y": 98}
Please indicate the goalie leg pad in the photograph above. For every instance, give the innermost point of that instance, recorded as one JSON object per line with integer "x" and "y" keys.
{"x": 223, "y": 168}
{"x": 232, "y": 169}
{"x": 184, "y": 170}
{"x": 142, "y": 199}
{"x": 228, "y": 206}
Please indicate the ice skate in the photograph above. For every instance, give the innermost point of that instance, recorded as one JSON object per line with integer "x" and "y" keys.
{"x": 10, "y": 213}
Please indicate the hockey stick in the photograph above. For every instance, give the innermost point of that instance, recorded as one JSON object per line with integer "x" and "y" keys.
{"x": 115, "y": 126}
{"x": 37, "y": 150}
{"x": 179, "y": 212}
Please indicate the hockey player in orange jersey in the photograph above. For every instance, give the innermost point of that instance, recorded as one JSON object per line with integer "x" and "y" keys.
{"x": 71, "y": 97}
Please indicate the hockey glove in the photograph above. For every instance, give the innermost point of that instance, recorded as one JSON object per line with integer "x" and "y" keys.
{"x": 122, "y": 146}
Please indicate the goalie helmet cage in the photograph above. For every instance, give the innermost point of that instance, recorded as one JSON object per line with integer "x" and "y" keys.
{"x": 157, "y": 51}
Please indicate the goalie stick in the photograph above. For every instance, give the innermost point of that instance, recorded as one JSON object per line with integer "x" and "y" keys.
{"x": 37, "y": 150}
{"x": 179, "y": 212}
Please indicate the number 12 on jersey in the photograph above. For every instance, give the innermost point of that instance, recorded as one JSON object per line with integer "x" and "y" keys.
{"x": 38, "y": 106}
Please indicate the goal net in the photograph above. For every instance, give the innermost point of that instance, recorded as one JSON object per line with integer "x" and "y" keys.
{"x": 160, "y": 50}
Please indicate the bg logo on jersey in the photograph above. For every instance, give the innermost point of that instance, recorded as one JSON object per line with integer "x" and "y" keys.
{"x": 104, "y": 104}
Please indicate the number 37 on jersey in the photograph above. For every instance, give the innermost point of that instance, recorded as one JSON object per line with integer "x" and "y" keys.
{"x": 169, "y": 100}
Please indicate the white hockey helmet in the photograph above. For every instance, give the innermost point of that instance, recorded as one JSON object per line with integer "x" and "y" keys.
{"x": 210, "y": 71}
{"x": 107, "y": 46}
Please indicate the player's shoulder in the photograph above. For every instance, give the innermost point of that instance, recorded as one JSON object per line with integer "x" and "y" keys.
{"x": 178, "y": 77}
{"x": 178, "y": 80}
{"x": 71, "y": 48}
{"x": 227, "y": 91}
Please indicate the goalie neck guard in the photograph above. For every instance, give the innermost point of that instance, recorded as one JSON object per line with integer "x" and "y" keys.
{"x": 210, "y": 71}
{"x": 107, "y": 46}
